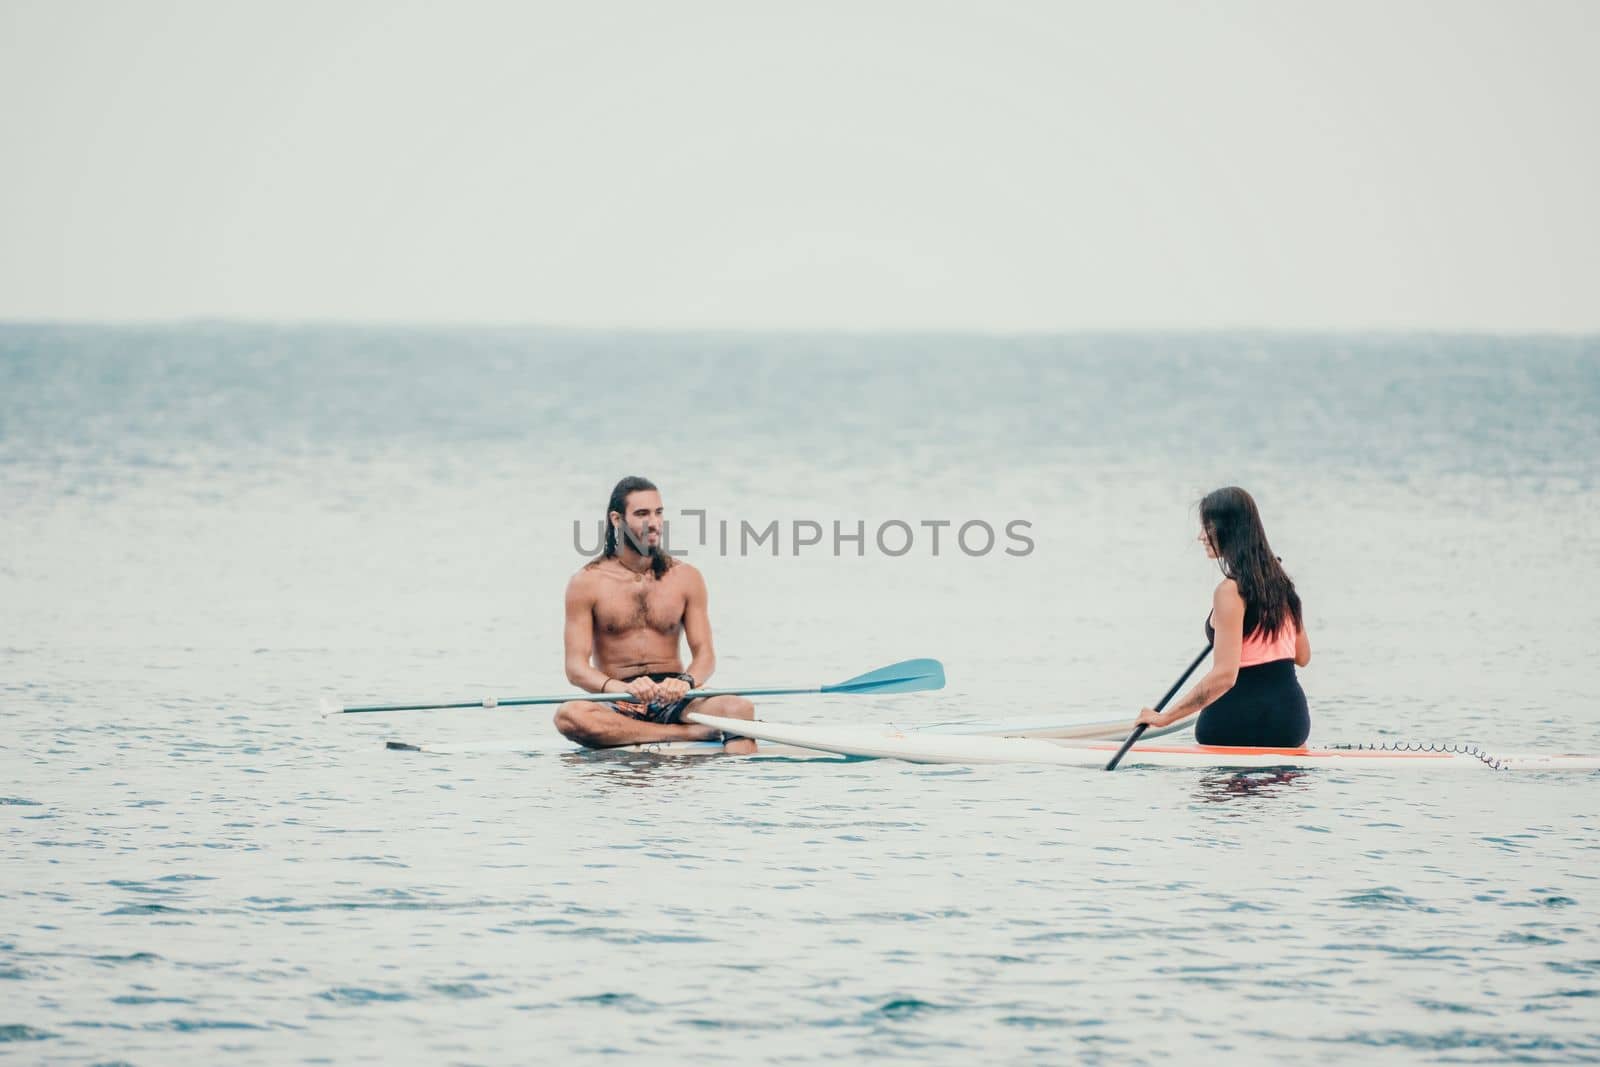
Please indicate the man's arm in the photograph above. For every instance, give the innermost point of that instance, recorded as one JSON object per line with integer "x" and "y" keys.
{"x": 578, "y": 637}
{"x": 697, "y": 629}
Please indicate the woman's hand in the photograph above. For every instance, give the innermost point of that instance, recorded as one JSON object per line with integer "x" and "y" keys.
{"x": 1151, "y": 717}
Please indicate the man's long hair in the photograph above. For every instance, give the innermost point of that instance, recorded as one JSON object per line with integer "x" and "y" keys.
{"x": 1232, "y": 523}
{"x": 659, "y": 560}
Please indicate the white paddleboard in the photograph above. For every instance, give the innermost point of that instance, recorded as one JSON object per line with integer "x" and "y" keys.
{"x": 1101, "y": 728}
{"x": 923, "y": 747}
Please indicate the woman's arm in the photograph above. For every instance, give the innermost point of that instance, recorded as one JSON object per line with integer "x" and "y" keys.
{"x": 1227, "y": 621}
{"x": 1302, "y": 648}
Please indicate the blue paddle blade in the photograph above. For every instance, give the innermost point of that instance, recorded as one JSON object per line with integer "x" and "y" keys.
{"x": 908, "y": 676}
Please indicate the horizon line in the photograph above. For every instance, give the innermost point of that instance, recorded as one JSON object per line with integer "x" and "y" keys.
{"x": 531, "y": 326}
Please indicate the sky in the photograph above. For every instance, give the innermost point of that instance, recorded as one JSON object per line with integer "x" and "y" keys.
{"x": 827, "y": 164}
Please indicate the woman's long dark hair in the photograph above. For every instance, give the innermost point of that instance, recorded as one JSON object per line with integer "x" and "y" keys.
{"x": 659, "y": 561}
{"x": 1230, "y": 519}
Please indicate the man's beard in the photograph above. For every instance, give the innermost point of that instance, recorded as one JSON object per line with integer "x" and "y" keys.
{"x": 642, "y": 545}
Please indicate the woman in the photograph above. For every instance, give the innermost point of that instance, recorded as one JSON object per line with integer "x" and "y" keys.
{"x": 1251, "y": 696}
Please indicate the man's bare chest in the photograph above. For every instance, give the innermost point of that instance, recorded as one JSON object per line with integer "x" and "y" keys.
{"x": 639, "y": 606}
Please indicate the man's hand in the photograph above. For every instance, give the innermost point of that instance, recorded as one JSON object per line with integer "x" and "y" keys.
{"x": 644, "y": 691}
{"x": 671, "y": 690}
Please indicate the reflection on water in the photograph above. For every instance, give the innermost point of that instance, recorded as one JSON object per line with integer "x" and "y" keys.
{"x": 639, "y": 770}
{"x": 643, "y": 769}
{"x": 1237, "y": 785}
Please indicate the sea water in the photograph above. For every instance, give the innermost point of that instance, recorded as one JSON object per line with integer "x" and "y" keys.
{"x": 204, "y": 528}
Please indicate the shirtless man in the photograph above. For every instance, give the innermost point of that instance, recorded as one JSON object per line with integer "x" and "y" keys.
{"x": 626, "y": 611}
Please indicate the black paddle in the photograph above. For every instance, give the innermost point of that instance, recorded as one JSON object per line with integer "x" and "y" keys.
{"x": 1138, "y": 731}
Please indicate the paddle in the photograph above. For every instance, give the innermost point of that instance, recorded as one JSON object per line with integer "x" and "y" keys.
{"x": 907, "y": 676}
{"x": 1138, "y": 731}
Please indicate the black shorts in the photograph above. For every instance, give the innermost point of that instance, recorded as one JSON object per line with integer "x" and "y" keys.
{"x": 669, "y": 714}
{"x": 1266, "y": 708}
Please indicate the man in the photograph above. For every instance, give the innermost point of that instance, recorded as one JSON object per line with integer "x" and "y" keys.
{"x": 626, "y": 611}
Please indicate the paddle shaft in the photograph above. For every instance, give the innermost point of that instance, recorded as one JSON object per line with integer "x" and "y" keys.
{"x": 907, "y": 676}
{"x": 598, "y": 698}
{"x": 1138, "y": 731}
